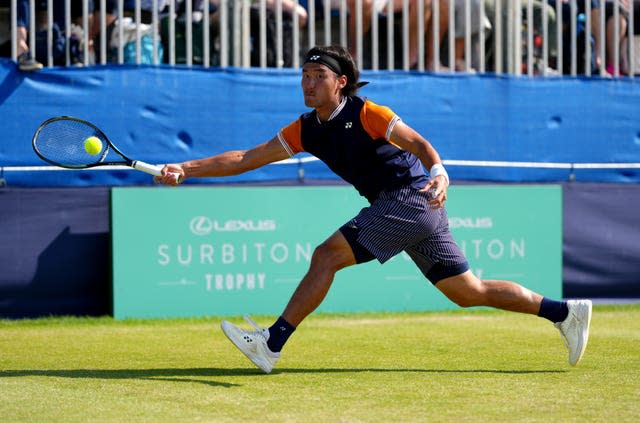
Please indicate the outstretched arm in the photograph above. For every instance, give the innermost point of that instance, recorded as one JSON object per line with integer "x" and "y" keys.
{"x": 408, "y": 139}
{"x": 225, "y": 164}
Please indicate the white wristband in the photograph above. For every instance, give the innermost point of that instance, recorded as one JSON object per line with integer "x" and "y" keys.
{"x": 437, "y": 170}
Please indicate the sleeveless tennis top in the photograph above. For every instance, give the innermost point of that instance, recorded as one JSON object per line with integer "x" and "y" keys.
{"x": 354, "y": 144}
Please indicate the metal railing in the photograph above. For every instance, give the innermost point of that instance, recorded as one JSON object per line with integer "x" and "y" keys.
{"x": 497, "y": 36}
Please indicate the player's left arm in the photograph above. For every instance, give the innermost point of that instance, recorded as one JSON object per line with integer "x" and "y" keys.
{"x": 229, "y": 163}
{"x": 406, "y": 138}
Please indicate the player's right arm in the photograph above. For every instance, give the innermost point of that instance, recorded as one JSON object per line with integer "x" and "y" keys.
{"x": 226, "y": 164}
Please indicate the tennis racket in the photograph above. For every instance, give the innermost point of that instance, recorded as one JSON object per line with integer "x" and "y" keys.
{"x": 60, "y": 141}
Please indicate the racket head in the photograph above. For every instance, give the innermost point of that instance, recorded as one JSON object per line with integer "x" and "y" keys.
{"x": 60, "y": 142}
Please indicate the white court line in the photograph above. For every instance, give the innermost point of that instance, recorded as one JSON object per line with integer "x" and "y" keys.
{"x": 471, "y": 163}
{"x": 542, "y": 165}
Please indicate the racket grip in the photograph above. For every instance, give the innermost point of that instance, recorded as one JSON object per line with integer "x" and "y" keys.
{"x": 147, "y": 168}
{"x": 152, "y": 169}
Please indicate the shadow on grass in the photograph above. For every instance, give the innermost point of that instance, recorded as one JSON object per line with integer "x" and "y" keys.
{"x": 196, "y": 375}
{"x": 400, "y": 370}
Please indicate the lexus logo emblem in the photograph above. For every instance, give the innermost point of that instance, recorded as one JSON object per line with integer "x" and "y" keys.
{"x": 201, "y": 225}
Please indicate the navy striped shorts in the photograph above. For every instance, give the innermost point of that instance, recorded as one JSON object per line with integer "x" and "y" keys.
{"x": 401, "y": 220}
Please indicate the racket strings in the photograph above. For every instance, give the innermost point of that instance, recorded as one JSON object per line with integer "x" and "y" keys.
{"x": 62, "y": 142}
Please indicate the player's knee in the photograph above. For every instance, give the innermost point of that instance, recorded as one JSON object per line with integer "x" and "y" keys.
{"x": 324, "y": 256}
{"x": 467, "y": 296}
{"x": 327, "y": 257}
{"x": 466, "y": 301}
{"x": 465, "y": 290}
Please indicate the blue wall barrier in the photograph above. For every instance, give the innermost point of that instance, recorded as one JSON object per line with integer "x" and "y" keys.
{"x": 163, "y": 114}
{"x": 601, "y": 229}
{"x": 54, "y": 252}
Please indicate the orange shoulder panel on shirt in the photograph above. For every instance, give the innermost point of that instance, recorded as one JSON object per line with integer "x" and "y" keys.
{"x": 292, "y": 135}
{"x": 375, "y": 119}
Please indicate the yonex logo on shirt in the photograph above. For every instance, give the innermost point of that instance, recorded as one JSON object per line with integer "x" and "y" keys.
{"x": 348, "y": 125}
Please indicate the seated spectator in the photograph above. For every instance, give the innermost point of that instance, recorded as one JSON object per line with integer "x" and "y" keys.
{"x": 634, "y": 68}
{"x": 369, "y": 7}
{"x": 75, "y": 32}
{"x": 197, "y": 28}
{"x": 26, "y": 62}
{"x": 146, "y": 8}
{"x": 503, "y": 62}
{"x": 443, "y": 26}
{"x": 288, "y": 8}
{"x": 610, "y": 35}
{"x": 594, "y": 37}
{"x": 609, "y": 45}
{"x": 460, "y": 30}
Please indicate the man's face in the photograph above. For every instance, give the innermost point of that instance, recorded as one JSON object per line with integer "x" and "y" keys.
{"x": 320, "y": 85}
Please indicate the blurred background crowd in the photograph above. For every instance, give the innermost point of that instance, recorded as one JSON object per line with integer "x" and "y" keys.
{"x": 535, "y": 37}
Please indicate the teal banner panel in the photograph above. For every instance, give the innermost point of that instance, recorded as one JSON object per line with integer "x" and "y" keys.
{"x": 198, "y": 251}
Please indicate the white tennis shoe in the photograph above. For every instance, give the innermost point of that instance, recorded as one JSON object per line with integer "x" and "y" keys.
{"x": 575, "y": 328}
{"x": 253, "y": 344}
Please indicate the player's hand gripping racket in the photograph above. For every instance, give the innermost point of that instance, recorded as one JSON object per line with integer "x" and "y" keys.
{"x": 73, "y": 143}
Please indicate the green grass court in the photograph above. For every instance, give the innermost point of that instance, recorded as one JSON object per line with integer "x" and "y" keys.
{"x": 484, "y": 366}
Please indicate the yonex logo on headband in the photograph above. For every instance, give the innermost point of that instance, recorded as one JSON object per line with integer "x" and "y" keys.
{"x": 325, "y": 59}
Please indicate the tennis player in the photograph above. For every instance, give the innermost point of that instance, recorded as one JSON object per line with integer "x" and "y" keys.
{"x": 370, "y": 147}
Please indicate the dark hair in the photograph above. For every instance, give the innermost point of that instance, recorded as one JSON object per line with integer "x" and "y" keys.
{"x": 347, "y": 65}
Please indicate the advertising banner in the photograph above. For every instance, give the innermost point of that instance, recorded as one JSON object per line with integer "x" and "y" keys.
{"x": 197, "y": 251}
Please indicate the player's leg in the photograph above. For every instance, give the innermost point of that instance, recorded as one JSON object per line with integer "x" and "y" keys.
{"x": 572, "y": 318}
{"x": 332, "y": 255}
{"x": 467, "y": 290}
{"x": 443, "y": 263}
{"x": 263, "y": 346}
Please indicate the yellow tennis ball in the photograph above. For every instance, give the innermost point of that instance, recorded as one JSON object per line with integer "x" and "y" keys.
{"x": 93, "y": 145}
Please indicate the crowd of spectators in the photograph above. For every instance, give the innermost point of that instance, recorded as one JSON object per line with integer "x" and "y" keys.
{"x": 445, "y": 19}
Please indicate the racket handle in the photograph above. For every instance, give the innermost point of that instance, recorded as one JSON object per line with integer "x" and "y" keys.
{"x": 147, "y": 168}
{"x": 151, "y": 169}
